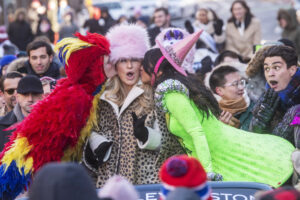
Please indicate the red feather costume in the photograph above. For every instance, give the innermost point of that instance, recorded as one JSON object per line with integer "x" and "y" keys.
{"x": 58, "y": 125}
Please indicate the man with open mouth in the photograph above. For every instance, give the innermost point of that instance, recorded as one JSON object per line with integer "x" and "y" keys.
{"x": 275, "y": 110}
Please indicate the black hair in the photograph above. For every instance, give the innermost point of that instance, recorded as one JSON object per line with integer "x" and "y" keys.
{"x": 9, "y": 75}
{"x": 288, "y": 54}
{"x": 248, "y": 15}
{"x": 287, "y": 42}
{"x": 227, "y": 53}
{"x": 217, "y": 77}
{"x": 38, "y": 44}
{"x": 165, "y": 10}
{"x": 202, "y": 96}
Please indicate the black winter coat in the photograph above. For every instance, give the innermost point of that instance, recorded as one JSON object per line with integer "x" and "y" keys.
{"x": 5, "y": 122}
{"x": 52, "y": 72}
{"x": 20, "y": 34}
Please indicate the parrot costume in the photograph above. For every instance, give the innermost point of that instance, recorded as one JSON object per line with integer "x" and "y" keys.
{"x": 58, "y": 125}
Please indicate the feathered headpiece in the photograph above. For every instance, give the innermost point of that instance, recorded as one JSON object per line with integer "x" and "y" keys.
{"x": 56, "y": 128}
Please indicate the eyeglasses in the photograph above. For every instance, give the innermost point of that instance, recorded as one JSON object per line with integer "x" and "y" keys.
{"x": 10, "y": 91}
{"x": 133, "y": 61}
{"x": 241, "y": 83}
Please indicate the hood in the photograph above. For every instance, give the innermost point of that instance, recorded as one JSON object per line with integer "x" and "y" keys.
{"x": 16, "y": 64}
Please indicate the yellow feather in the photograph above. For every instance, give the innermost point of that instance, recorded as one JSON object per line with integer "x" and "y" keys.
{"x": 20, "y": 148}
{"x": 75, "y": 153}
{"x": 71, "y": 45}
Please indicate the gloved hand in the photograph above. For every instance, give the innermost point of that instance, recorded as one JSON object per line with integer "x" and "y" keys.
{"x": 188, "y": 26}
{"x": 265, "y": 111}
{"x": 268, "y": 106}
{"x": 101, "y": 150}
{"x": 218, "y": 24}
{"x": 95, "y": 159}
{"x": 206, "y": 65}
{"x": 211, "y": 176}
{"x": 90, "y": 157}
{"x": 139, "y": 129}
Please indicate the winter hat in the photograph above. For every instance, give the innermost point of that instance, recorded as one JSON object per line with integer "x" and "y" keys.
{"x": 282, "y": 193}
{"x": 5, "y": 60}
{"x": 127, "y": 41}
{"x": 144, "y": 19}
{"x": 184, "y": 171}
{"x": 30, "y": 84}
{"x": 118, "y": 188}
{"x": 171, "y": 36}
{"x": 182, "y": 194}
{"x": 61, "y": 181}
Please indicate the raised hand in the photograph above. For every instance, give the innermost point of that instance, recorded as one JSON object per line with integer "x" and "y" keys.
{"x": 268, "y": 106}
{"x": 264, "y": 112}
{"x": 139, "y": 129}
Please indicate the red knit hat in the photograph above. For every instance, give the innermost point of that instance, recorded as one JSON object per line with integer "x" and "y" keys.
{"x": 184, "y": 171}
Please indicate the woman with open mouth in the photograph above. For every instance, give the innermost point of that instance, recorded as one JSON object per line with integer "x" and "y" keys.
{"x": 126, "y": 141}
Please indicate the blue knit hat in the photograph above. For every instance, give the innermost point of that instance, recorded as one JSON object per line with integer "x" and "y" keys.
{"x": 6, "y": 60}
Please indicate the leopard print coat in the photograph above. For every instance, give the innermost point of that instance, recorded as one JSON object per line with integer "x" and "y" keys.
{"x": 139, "y": 166}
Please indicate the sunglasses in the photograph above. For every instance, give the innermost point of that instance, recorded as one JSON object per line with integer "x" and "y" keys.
{"x": 10, "y": 91}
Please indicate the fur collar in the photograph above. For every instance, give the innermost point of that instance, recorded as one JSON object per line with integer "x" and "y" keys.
{"x": 134, "y": 93}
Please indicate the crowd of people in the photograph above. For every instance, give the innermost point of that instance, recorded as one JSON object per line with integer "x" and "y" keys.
{"x": 126, "y": 97}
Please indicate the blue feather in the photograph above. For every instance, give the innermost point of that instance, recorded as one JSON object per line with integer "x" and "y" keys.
{"x": 97, "y": 90}
{"x": 62, "y": 54}
{"x": 12, "y": 183}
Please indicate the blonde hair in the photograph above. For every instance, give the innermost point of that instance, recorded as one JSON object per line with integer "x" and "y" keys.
{"x": 116, "y": 93}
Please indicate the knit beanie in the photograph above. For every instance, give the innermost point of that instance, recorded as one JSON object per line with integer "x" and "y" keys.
{"x": 5, "y": 60}
{"x": 184, "y": 171}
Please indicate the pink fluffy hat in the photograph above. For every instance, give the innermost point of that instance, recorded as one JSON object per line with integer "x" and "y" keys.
{"x": 126, "y": 41}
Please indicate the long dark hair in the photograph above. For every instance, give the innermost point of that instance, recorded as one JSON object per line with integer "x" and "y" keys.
{"x": 201, "y": 96}
{"x": 248, "y": 15}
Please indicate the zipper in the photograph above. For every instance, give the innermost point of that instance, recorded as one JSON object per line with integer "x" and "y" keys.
{"x": 120, "y": 148}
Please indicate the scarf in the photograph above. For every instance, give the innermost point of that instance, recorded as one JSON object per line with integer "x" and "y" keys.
{"x": 18, "y": 113}
{"x": 235, "y": 106}
{"x": 290, "y": 96}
